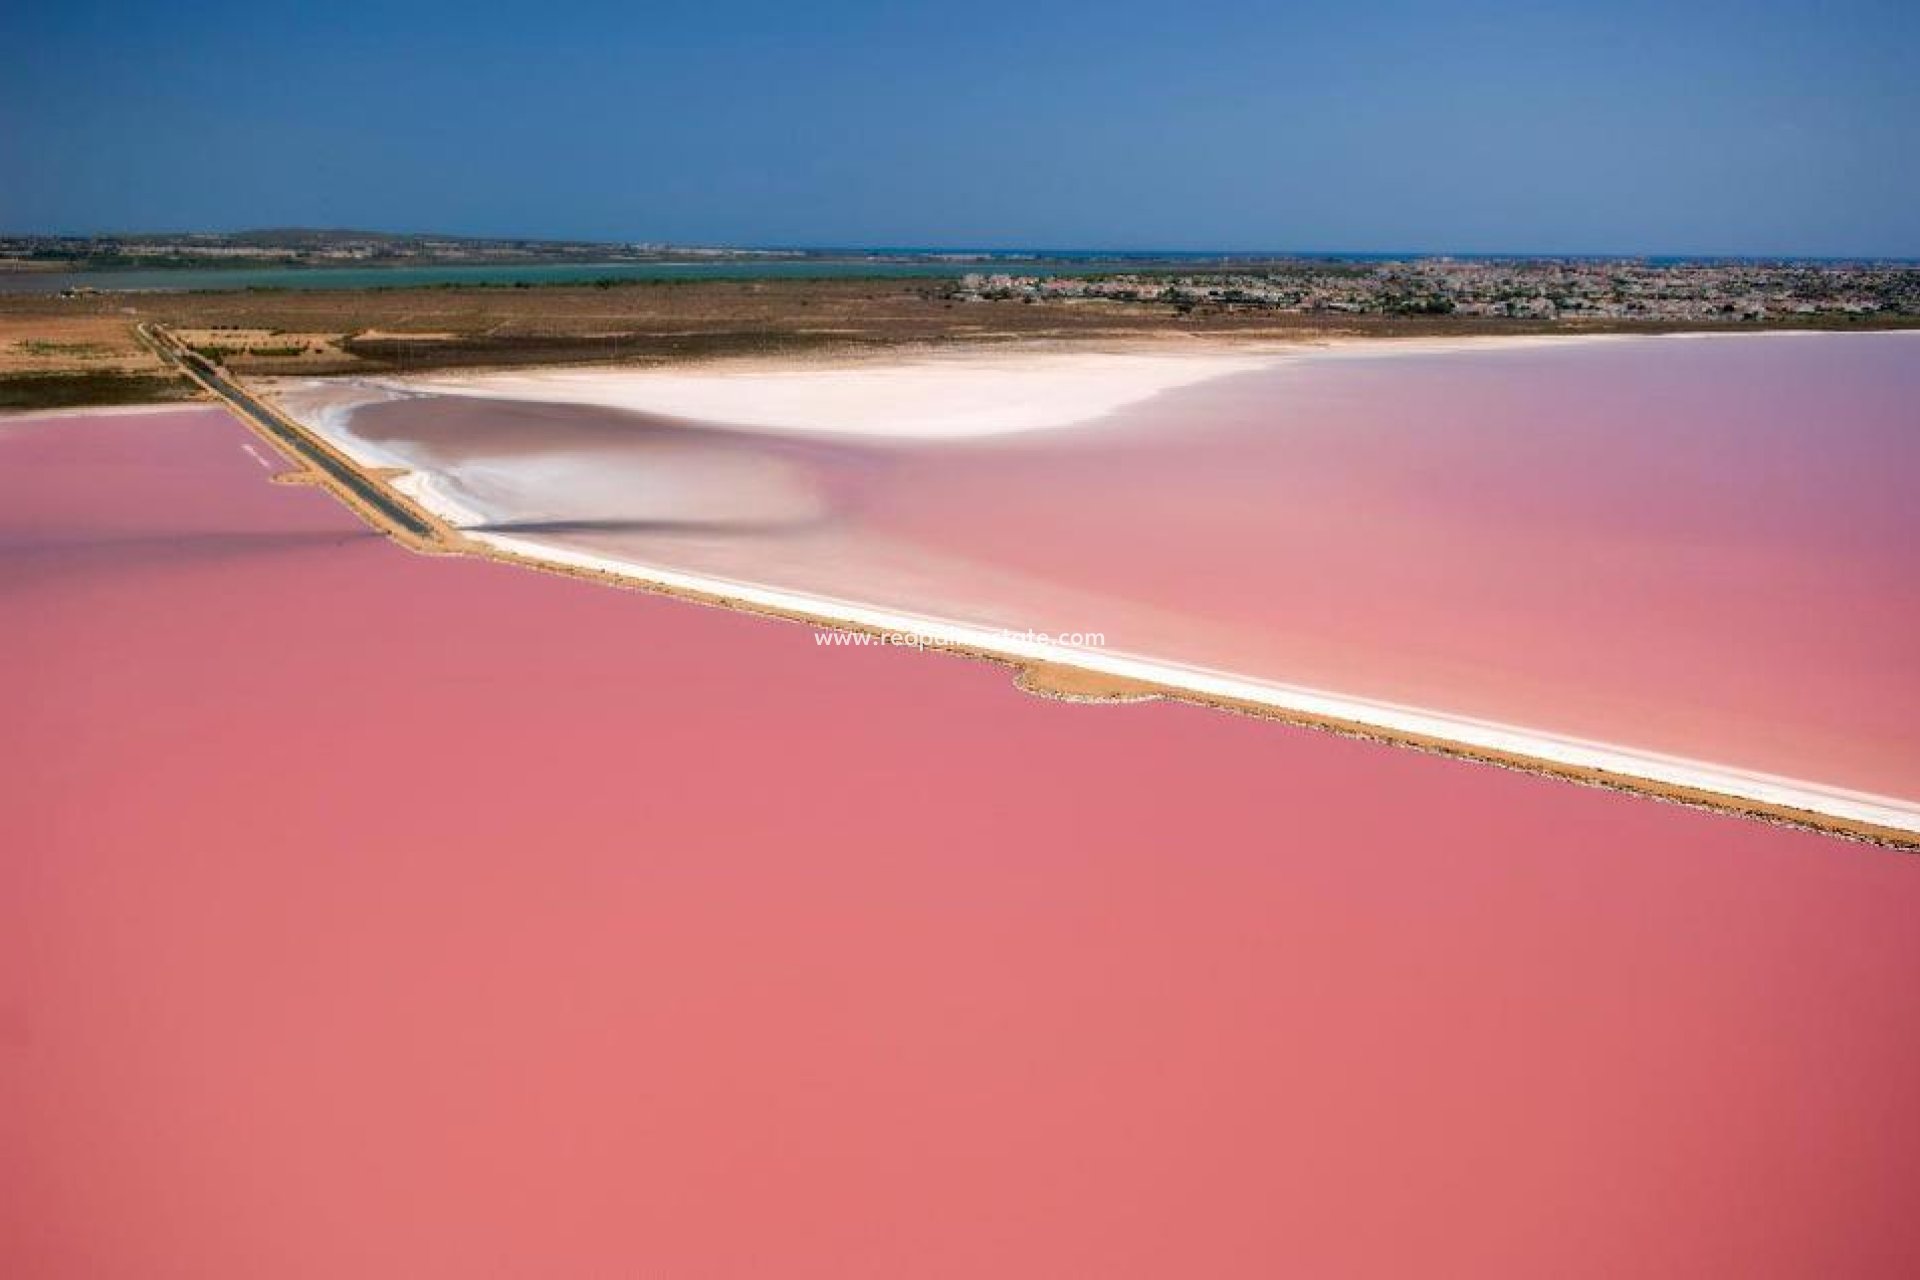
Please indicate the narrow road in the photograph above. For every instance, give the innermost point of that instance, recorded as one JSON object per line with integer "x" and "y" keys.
{"x": 388, "y": 511}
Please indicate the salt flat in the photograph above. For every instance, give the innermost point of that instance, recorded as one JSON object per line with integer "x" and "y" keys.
{"x": 946, "y": 397}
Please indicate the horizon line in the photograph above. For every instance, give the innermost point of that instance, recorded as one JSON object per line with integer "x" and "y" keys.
{"x": 1038, "y": 250}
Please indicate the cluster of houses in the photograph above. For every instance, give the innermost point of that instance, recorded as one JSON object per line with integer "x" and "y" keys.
{"x": 1528, "y": 289}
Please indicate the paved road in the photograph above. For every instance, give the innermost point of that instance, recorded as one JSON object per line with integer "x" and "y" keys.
{"x": 388, "y": 506}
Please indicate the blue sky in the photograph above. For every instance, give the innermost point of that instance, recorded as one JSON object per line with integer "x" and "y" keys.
{"x": 1691, "y": 126}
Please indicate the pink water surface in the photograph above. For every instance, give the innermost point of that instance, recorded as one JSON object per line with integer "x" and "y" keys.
{"x": 370, "y": 914}
{"x": 1703, "y": 547}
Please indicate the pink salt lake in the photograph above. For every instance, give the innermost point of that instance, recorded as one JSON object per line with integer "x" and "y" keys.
{"x": 372, "y": 914}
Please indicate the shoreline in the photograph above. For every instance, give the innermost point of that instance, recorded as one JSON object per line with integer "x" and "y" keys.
{"x": 1608, "y": 764}
{"x": 15, "y": 417}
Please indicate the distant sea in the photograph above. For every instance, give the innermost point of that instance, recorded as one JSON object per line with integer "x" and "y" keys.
{"x": 877, "y": 263}
{"x": 182, "y": 279}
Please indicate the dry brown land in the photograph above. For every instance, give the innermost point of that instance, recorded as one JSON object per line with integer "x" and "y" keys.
{"x": 53, "y": 357}
{"x": 89, "y": 340}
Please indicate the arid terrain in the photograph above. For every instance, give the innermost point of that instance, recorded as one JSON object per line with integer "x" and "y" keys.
{"x": 57, "y": 351}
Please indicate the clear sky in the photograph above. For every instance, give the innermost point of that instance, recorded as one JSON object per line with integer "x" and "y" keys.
{"x": 1686, "y": 126}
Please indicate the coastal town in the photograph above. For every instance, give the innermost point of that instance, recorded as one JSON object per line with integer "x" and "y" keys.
{"x": 1529, "y": 289}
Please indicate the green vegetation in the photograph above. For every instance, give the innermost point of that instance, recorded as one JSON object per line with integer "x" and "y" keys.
{"x": 77, "y": 390}
{"x": 220, "y": 354}
{"x": 41, "y": 347}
